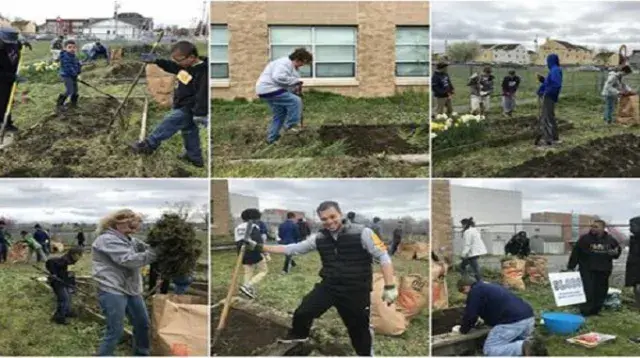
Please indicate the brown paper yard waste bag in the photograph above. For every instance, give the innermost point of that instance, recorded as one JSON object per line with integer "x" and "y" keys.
{"x": 179, "y": 325}
{"x": 407, "y": 250}
{"x": 537, "y": 269}
{"x": 57, "y": 247}
{"x": 160, "y": 85}
{"x": 386, "y": 320}
{"x": 423, "y": 252}
{"x": 413, "y": 295}
{"x": 439, "y": 291}
{"x": 513, "y": 272}
{"x": 18, "y": 253}
{"x": 629, "y": 110}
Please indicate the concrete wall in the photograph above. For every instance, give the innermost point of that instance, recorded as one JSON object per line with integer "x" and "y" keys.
{"x": 248, "y": 26}
{"x": 441, "y": 229}
{"x": 221, "y": 216}
{"x": 239, "y": 203}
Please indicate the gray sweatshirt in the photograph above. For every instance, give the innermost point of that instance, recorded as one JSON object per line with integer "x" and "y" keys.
{"x": 614, "y": 85}
{"x": 278, "y": 75}
{"x": 117, "y": 263}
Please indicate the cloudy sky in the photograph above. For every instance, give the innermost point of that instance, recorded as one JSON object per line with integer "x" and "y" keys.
{"x": 177, "y": 13}
{"x": 613, "y": 200}
{"x": 67, "y": 200}
{"x": 594, "y": 24}
{"x": 383, "y": 198}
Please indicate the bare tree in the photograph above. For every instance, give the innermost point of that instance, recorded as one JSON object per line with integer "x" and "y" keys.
{"x": 203, "y": 213}
{"x": 463, "y": 51}
{"x": 183, "y": 208}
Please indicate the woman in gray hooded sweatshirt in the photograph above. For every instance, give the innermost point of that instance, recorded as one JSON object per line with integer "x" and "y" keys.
{"x": 117, "y": 262}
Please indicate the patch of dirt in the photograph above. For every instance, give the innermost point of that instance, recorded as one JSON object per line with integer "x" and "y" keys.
{"x": 442, "y": 321}
{"x": 124, "y": 70}
{"x": 608, "y": 157}
{"x": 365, "y": 140}
{"x": 78, "y": 144}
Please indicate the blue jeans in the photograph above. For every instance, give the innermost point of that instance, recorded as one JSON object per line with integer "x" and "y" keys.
{"x": 63, "y": 300}
{"x": 178, "y": 120}
{"x": 115, "y": 307}
{"x": 287, "y": 109}
{"x": 475, "y": 267}
{"x": 506, "y": 340}
{"x": 70, "y": 86}
{"x": 609, "y": 108}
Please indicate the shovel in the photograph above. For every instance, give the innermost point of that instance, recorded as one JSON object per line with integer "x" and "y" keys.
{"x": 227, "y": 304}
{"x": 298, "y": 92}
{"x": 7, "y": 110}
{"x": 98, "y": 90}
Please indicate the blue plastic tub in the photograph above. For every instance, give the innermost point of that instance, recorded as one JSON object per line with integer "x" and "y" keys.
{"x": 562, "y": 323}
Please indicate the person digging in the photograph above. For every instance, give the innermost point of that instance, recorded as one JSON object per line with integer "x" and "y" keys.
{"x": 253, "y": 261}
{"x": 511, "y": 318}
{"x": 347, "y": 252}
{"x": 62, "y": 283}
{"x": 594, "y": 254}
{"x": 613, "y": 89}
{"x": 276, "y": 85}
{"x": 632, "y": 269}
{"x": 10, "y": 53}
{"x": 190, "y": 103}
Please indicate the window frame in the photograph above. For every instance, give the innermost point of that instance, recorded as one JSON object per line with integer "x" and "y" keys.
{"x": 211, "y": 44}
{"x": 313, "y": 45}
{"x": 396, "y": 44}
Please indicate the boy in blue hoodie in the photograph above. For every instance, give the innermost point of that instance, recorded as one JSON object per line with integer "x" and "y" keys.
{"x": 289, "y": 233}
{"x": 550, "y": 89}
{"x": 70, "y": 69}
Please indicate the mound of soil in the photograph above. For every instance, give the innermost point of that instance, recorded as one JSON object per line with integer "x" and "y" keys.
{"x": 124, "y": 70}
{"x": 78, "y": 144}
{"x": 366, "y": 140}
{"x": 609, "y": 157}
{"x": 442, "y": 321}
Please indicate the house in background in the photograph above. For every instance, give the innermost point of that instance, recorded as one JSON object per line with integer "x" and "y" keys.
{"x": 65, "y": 27}
{"x": 569, "y": 53}
{"x": 25, "y": 27}
{"x": 510, "y": 53}
{"x": 128, "y": 26}
{"x": 485, "y": 55}
{"x": 634, "y": 59}
{"x": 361, "y": 49}
{"x": 533, "y": 56}
{"x": 607, "y": 58}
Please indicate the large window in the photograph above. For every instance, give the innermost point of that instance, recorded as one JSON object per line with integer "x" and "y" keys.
{"x": 219, "y": 43}
{"x": 412, "y": 51}
{"x": 333, "y": 48}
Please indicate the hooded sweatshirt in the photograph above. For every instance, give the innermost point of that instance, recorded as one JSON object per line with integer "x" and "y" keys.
{"x": 192, "y": 94}
{"x": 441, "y": 84}
{"x": 591, "y": 253}
{"x": 613, "y": 86}
{"x": 117, "y": 263}
{"x": 553, "y": 81}
{"x": 278, "y": 77}
{"x": 69, "y": 65}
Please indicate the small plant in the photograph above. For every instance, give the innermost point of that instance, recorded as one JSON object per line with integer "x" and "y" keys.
{"x": 456, "y": 130}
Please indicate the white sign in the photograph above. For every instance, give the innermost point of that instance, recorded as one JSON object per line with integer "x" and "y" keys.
{"x": 567, "y": 288}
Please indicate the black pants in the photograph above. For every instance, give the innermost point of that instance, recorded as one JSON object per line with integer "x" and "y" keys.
{"x": 475, "y": 267}
{"x": 4, "y": 250}
{"x": 596, "y": 287}
{"x": 288, "y": 263}
{"x": 394, "y": 246}
{"x": 353, "y": 308}
{"x": 548, "y": 123}
{"x": 63, "y": 300}
{"x": 5, "y": 93}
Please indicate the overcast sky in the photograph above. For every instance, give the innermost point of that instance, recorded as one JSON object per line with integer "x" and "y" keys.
{"x": 597, "y": 24}
{"x": 614, "y": 200}
{"x": 68, "y": 200}
{"x": 178, "y": 13}
{"x": 369, "y": 198}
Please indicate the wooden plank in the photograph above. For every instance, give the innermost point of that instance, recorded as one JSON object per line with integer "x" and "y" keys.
{"x": 417, "y": 159}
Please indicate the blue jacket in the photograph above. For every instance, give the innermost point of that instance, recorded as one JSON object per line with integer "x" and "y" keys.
{"x": 69, "y": 65}
{"x": 41, "y": 237}
{"x": 100, "y": 50}
{"x": 553, "y": 82}
{"x": 495, "y": 305}
{"x": 288, "y": 232}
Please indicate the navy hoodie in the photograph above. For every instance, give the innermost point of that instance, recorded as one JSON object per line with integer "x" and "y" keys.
{"x": 41, "y": 237}
{"x": 553, "y": 82}
{"x": 195, "y": 94}
{"x": 441, "y": 84}
{"x": 495, "y": 305}
{"x": 289, "y": 232}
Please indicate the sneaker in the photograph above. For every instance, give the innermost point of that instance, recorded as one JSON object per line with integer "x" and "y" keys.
{"x": 558, "y": 141}
{"x": 284, "y": 272}
{"x": 141, "y": 148}
{"x": 293, "y": 129}
{"x": 247, "y": 291}
{"x": 543, "y": 147}
{"x": 185, "y": 158}
{"x": 635, "y": 340}
{"x": 292, "y": 339}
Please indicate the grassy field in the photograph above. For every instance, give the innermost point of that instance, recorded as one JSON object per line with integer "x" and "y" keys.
{"x": 584, "y": 111}
{"x": 334, "y": 135}
{"x": 624, "y": 323}
{"x": 97, "y": 150}
{"x": 284, "y": 293}
{"x": 25, "y": 309}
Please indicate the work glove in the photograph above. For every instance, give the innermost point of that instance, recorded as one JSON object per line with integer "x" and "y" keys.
{"x": 20, "y": 79}
{"x": 390, "y": 294}
{"x": 148, "y": 58}
{"x": 456, "y": 329}
{"x": 203, "y": 121}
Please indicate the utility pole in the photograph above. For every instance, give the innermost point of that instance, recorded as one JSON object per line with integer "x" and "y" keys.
{"x": 116, "y": 7}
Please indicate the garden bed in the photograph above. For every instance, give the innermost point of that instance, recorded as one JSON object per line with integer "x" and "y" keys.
{"x": 609, "y": 157}
{"x": 364, "y": 140}
{"x": 445, "y": 343}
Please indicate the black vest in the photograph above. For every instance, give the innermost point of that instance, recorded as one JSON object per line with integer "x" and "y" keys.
{"x": 346, "y": 265}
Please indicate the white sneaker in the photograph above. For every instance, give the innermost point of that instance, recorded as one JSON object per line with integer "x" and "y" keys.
{"x": 247, "y": 291}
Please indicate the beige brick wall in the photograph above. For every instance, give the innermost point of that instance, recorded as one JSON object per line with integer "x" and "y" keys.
{"x": 248, "y": 24}
{"x": 221, "y": 208}
{"x": 441, "y": 230}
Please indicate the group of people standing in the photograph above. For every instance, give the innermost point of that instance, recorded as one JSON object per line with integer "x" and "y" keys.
{"x": 39, "y": 243}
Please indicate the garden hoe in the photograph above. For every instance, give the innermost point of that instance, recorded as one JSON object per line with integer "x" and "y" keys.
{"x": 298, "y": 92}
{"x": 227, "y": 304}
{"x": 7, "y": 110}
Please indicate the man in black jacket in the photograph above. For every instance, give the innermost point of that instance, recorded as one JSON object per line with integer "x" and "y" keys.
{"x": 594, "y": 254}
{"x": 62, "y": 282}
{"x": 632, "y": 274}
{"x": 10, "y": 52}
{"x": 190, "y": 102}
{"x": 442, "y": 89}
{"x": 4, "y": 242}
{"x": 518, "y": 245}
{"x": 347, "y": 252}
